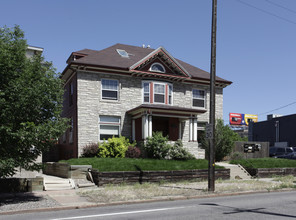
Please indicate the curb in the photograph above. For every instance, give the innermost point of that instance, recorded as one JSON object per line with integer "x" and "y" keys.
{"x": 140, "y": 201}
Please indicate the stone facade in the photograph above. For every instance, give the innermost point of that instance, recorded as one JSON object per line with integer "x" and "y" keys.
{"x": 90, "y": 106}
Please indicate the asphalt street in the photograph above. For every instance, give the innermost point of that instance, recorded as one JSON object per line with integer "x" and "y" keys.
{"x": 276, "y": 205}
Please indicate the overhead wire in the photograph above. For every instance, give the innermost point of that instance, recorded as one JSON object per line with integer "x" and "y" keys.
{"x": 267, "y": 12}
{"x": 281, "y": 6}
{"x": 292, "y": 103}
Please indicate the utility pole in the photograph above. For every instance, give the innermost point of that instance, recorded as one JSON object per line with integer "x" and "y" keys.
{"x": 211, "y": 174}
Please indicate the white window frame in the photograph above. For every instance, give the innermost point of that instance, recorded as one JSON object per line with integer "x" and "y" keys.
{"x": 112, "y": 123}
{"x": 154, "y": 64}
{"x": 143, "y": 92}
{"x": 117, "y": 90}
{"x": 166, "y": 93}
{"x": 71, "y": 129}
{"x": 204, "y": 99}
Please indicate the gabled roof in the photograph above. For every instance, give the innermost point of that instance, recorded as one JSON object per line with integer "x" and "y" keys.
{"x": 137, "y": 57}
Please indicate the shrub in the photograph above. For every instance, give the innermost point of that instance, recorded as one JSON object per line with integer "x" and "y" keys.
{"x": 157, "y": 146}
{"x": 178, "y": 152}
{"x": 114, "y": 147}
{"x": 225, "y": 138}
{"x": 90, "y": 150}
{"x": 133, "y": 152}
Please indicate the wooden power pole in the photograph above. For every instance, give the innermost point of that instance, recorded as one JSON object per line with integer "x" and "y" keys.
{"x": 211, "y": 174}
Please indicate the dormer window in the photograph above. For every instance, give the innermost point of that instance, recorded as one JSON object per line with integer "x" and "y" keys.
{"x": 157, "y": 67}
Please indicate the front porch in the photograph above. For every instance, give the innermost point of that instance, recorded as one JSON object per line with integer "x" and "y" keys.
{"x": 174, "y": 122}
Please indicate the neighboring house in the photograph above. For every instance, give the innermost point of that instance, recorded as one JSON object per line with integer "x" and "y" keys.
{"x": 134, "y": 91}
{"x": 31, "y": 51}
{"x": 275, "y": 130}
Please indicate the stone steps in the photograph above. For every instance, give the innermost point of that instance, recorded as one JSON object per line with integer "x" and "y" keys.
{"x": 236, "y": 171}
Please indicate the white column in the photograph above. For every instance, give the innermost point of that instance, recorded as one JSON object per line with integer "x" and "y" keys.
{"x": 194, "y": 129}
{"x": 150, "y": 126}
{"x": 180, "y": 129}
{"x": 133, "y": 129}
{"x": 145, "y": 125}
{"x": 190, "y": 129}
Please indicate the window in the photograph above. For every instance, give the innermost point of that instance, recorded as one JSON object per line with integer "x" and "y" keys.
{"x": 109, "y": 127}
{"x": 159, "y": 93}
{"x": 71, "y": 131}
{"x": 157, "y": 67}
{"x": 146, "y": 92}
{"x": 170, "y": 94}
{"x": 198, "y": 97}
{"x": 71, "y": 92}
{"x": 109, "y": 89}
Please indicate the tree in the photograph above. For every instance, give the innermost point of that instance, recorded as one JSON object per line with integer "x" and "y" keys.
{"x": 224, "y": 140}
{"x": 30, "y": 102}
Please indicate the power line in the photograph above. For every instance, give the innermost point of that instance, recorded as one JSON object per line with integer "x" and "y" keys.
{"x": 280, "y": 6}
{"x": 278, "y": 108}
{"x": 267, "y": 12}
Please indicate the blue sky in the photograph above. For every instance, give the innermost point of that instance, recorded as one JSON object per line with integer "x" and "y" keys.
{"x": 255, "y": 39}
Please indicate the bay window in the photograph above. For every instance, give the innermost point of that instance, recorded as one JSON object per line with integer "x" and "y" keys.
{"x": 157, "y": 92}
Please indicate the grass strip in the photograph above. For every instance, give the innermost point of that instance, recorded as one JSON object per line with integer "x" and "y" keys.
{"x": 265, "y": 163}
{"x": 131, "y": 164}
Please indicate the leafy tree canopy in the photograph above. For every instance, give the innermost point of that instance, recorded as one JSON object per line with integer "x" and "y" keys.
{"x": 224, "y": 140}
{"x": 30, "y": 103}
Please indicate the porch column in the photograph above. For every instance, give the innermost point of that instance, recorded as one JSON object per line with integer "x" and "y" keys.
{"x": 133, "y": 129}
{"x": 180, "y": 129}
{"x": 194, "y": 129}
{"x": 144, "y": 126}
{"x": 190, "y": 129}
{"x": 150, "y": 126}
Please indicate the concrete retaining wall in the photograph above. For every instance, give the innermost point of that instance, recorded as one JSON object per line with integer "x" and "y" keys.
{"x": 65, "y": 170}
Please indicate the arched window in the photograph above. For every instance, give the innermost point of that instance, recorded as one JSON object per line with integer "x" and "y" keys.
{"x": 157, "y": 67}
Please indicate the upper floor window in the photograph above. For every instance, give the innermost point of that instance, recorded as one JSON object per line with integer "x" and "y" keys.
{"x": 198, "y": 98}
{"x": 71, "y": 93}
{"x": 157, "y": 67}
{"x": 157, "y": 92}
{"x": 109, "y": 89}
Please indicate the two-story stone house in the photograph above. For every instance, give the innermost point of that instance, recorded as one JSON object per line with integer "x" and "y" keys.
{"x": 134, "y": 91}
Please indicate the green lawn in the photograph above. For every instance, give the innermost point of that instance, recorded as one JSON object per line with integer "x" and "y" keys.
{"x": 129, "y": 164}
{"x": 265, "y": 163}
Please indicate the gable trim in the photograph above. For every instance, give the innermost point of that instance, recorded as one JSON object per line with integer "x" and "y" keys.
{"x": 170, "y": 57}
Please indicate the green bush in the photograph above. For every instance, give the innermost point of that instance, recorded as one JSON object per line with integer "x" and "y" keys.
{"x": 225, "y": 138}
{"x": 157, "y": 146}
{"x": 178, "y": 152}
{"x": 114, "y": 147}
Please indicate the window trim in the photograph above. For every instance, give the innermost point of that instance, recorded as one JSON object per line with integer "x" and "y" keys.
{"x": 204, "y": 99}
{"x": 71, "y": 93}
{"x": 164, "y": 93}
{"x": 158, "y": 71}
{"x": 113, "y": 124}
{"x": 152, "y": 93}
{"x": 108, "y": 98}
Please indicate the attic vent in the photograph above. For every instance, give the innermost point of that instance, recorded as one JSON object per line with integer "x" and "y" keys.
{"x": 122, "y": 53}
